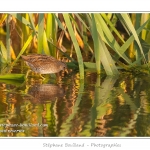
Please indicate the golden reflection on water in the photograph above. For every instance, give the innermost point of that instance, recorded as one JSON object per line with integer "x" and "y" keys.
{"x": 68, "y": 106}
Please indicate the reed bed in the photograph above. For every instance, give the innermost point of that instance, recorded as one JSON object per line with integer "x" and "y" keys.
{"x": 95, "y": 35}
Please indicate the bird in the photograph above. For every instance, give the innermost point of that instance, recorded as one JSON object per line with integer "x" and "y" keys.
{"x": 44, "y": 64}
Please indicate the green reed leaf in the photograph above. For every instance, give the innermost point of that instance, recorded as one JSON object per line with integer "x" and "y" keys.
{"x": 130, "y": 26}
{"x": 51, "y": 33}
{"x": 75, "y": 43}
{"x": 96, "y": 44}
{"x": 13, "y": 77}
{"x": 40, "y": 33}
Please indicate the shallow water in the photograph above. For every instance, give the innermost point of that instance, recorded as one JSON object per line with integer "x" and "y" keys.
{"x": 99, "y": 106}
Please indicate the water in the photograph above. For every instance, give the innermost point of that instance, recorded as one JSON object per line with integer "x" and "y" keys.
{"x": 99, "y": 106}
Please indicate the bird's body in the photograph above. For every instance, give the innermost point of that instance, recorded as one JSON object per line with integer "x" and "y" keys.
{"x": 44, "y": 64}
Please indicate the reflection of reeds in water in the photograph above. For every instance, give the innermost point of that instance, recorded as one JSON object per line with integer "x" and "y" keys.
{"x": 2, "y": 93}
{"x": 45, "y": 93}
{"x": 100, "y": 108}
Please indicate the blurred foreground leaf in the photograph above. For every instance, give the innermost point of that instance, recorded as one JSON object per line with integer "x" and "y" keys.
{"x": 13, "y": 77}
{"x": 17, "y": 83}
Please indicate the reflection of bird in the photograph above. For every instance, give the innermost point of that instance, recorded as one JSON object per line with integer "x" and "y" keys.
{"x": 44, "y": 64}
{"x": 45, "y": 93}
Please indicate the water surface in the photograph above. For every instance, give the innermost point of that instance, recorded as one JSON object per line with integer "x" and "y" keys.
{"x": 99, "y": 106}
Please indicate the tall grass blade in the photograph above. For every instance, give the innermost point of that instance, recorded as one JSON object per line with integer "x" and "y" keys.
{"x": 75, "y": 43}
{"x": 32, "y": 24}
{"x": 82, "y": 21}
{"x": 51, "y": 32}
{"x": 22, "y": 19}
{"x": 59, "y": 22}
{"x": 126, "y": 45}
{"x": 144, "y": 18}
{"x": 25, "y": 29}
{"x": 107, "y": 60}
{"x": 108, "y": 38}
{"x": 112, "y": 27}
{"x": 129, "y": 24}
{"x": 3, "y": 19}
{"x": 45, "y": 44}
{"x": 96, "y": 44}
{"x": 40, "y": 33}
{"x": 101, "y": 52}
{"x": 3, "y": 53}
{"x": 24, "y": 47}
{"x": 8, "y": 39}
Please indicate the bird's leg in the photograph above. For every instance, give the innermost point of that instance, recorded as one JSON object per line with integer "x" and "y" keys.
{"x": 42, "y": 77}
{"x": 27, "y": 74}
